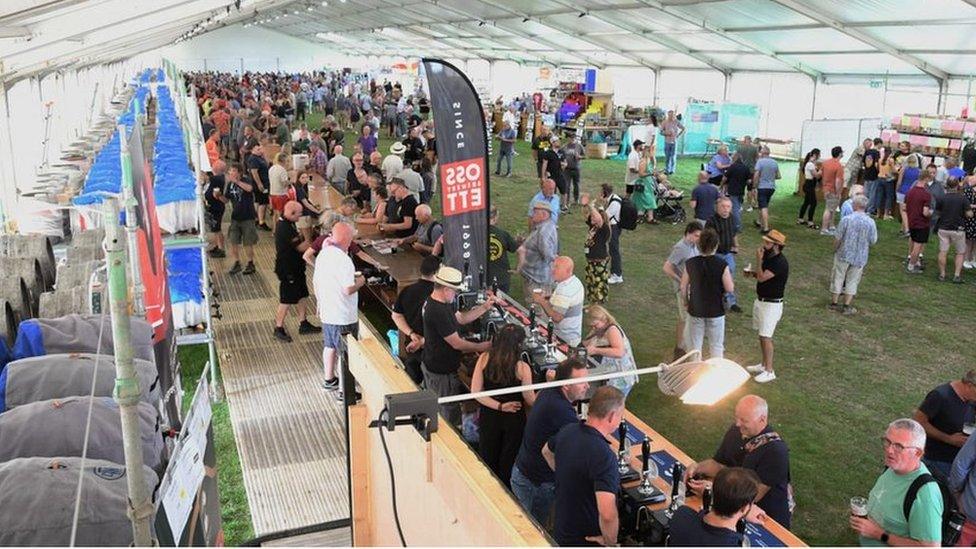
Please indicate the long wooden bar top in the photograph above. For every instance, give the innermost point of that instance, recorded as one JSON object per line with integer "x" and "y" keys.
{"x": 658, "y": 444}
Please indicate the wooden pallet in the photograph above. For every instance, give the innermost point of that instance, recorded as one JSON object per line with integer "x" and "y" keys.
{"x": 290, "y": 433}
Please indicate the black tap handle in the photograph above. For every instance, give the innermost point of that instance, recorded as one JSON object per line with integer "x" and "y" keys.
{"x": 645, "y": 453}
{"x": 549, "y": 329}
{"x": 531, "y": 317}
{"x": 494, "y": 285}
{"x": 622, "y": 435}
{"x": 481, "y": 276}
{"x": 677, "y": 474}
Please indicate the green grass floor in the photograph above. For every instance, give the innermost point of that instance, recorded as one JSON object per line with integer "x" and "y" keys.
{"x": 841, "y": 379}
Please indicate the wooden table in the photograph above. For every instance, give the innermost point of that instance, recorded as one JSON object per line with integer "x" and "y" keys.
{"x": 659, "y": 443}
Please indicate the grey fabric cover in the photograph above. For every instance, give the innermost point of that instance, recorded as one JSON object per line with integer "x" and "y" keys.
{"x": 37, "y": 502}
{"x": 79, "y": 334}
{"x": 58, "y": 376}
{"x": 51, "y": 428}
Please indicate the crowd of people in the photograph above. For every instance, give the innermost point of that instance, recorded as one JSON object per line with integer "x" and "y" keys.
{"x": 561, "y": 470}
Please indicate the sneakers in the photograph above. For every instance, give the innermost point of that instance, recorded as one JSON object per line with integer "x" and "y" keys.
{"x": 264, "y": 227}
{"x": 236, "y": 268}
{"x": 281, "y": 335}
{"x": 913, "y": 270}
{"x": 249, "y": 269}
{"x": 968, "y": 265}
{"x": 765, "y": 377}
{"x": 755, "y": 368}
{"x": 957, "y": 280}
{"x": 331, "y": 384}
{"x": 615, "y": 279}
{"x": 835, "y": 307}
{"x": 849, "y": 310}
{"x": 217, "y": 253}
{"x": 749, "y": 209}
{"x": 826, "y": 232}
{"x": 735, "y": 309}
{"x": 307, "y": 327}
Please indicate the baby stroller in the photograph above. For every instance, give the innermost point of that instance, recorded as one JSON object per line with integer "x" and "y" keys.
{"x": 669, "y": 206}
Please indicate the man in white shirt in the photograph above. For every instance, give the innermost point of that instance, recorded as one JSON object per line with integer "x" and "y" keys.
{"x": 279, "y": 183}
{"x": 336, "y": 287}
{"x": 393, "y": 163}
{"x": 512, "y": 117}
{"x": 413, "y": 181}
{"x": 633, "y": 166}
{"x": 565, "y": 305}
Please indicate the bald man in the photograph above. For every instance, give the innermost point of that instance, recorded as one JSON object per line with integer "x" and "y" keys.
{"x": 290, "y": 269}
{"x": 427, "y": 233}
{"x": 337, "y": 287}
{"x": 337, "y": 170}
{"x": 752, "y": 443}
{"x": 565, "y": 305}
{"x": 216, "y": 204}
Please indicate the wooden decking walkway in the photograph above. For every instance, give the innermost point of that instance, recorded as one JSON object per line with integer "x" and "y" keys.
{"x": 289, "y": 431}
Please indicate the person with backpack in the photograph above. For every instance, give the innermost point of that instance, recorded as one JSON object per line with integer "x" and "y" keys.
{"x": 622, "y": 215}
{"x": 427, "y": 233}
{"x": 906, "y": 499}
{"x": 962, "y": 484}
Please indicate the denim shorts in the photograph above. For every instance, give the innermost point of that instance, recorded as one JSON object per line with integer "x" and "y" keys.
{"x": 332, "y": 333}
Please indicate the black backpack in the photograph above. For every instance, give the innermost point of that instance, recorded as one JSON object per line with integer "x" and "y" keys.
{"x": 952, "y": 518}
{"x": 628, "y": 213}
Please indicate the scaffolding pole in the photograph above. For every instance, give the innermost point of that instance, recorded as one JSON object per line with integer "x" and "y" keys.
{"x": 126, "y": 391}
{"x": 131, "y": 223}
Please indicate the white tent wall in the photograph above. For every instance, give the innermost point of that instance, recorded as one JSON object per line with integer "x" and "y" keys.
{"x": 678, "y": 86}
{"x": 255, "y": 48}
{"x": 784, "y": 100}
{"x": 632, "y": 86}
{"x": 510, "y": 79}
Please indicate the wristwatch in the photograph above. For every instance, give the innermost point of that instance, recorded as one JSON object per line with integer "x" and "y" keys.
{"x": 884, "y": 537}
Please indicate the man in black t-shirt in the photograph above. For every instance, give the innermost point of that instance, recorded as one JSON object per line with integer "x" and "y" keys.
{"x": 587, "y": 479}
{"x": 552, "y": 166}
{"x": 767, "y": 310}
{"x": 409, "y": 319}
{"x": 403, "y": 221}
{"x": 242, "y": 230}
{"x": 733, "y": 493}
{"x": 753, "y": 444}
{"x": 723, "y": 222}
{"x": 290, "y": 269}
{"x": 944, "y": 413}
{"x": 215, "y": 199}
{"x": 442, "y": 344}
{"x": 500, "y": 244}
{"x": 257, "y": 173}
{"x": 738, "y": 178}
{"x": 540, "y": 144}
{"x": 870, "y": 166}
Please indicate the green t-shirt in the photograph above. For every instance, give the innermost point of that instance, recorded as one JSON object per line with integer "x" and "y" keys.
{"x": 886, "y": 507}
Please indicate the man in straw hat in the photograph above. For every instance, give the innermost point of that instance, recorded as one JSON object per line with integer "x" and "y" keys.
{"x": 442, "y": 344}
{"x": 771, "y": 279}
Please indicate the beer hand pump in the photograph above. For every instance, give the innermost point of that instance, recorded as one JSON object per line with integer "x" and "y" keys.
{"x": 627, "y": 473}
{"x": 550, "y": 346}
{"x": 677, "y": 483}
{"x": 645, "y": 492}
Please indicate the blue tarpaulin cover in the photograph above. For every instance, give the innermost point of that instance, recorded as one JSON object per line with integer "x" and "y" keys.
{"x": 183, "y": 268}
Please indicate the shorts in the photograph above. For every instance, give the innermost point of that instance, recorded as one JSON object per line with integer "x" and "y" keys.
{"x": 900, "y": 197}
{"x": 765, "y": 317}
{"x": 846, "y": 278}
{"x": 682, "y": 304}
{"x": 213, "y": 219}
{"x": 831, "y": 201}
{"x": 764, "y": 196}
{"x": 278, "y": 202}
{"x": 260, "y": 198}
{"x": 955, "y": 239}
{"x": 332, "y": 333}
{"x": 292, "y": 289}
{"x": 243, "y": 232}
{"x": 630, "y": 188}
{"x": 919, "y": 236}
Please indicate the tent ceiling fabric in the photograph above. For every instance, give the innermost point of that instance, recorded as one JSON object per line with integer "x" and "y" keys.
{"x": 814, "y": 37}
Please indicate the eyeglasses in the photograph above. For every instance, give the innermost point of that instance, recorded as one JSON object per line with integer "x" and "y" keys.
{"x": 898, "y": 447}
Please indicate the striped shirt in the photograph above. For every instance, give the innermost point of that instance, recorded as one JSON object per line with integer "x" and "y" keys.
{"x": 725, "y": 227}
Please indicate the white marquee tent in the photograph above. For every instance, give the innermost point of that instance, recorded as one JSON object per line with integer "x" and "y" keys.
{"x": 61, "y": 60}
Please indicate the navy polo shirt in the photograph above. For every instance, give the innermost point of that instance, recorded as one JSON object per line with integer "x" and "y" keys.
{"x": 550, "y": 413}
{"x": 689, "y": 529}
{"x": 770, "y": 462}
{"x": 585, "y": 464}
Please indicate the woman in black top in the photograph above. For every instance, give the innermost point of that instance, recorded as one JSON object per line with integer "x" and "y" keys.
{"x": 597, "y": 252}
{"x": 502, "y": 418}
{"x": 705, "y": 281}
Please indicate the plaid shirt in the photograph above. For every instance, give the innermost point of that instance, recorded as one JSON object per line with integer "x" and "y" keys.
{"x": 540, "y": 251}
{"x": 856, "y": 233}
{"x": 318, "y": 162}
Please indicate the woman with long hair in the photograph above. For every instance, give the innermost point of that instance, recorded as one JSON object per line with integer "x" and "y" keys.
{"x": 378, "y": 213}
{"x": 608, "y": 341}
{"x": 311, "y": 212}
{"x": 502, "y": 418}
{"x": 645, "y": 187}
{"x": 907, "y": 176}
{"x": 651, "y": 145}
{"x": 811, "y": 174}
{"x": 884, "y": 189}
